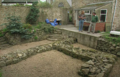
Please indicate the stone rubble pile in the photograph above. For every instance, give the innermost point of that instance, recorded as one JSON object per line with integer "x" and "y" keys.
{"x": 98, "y": 67}
{"x": 106, "y": 46}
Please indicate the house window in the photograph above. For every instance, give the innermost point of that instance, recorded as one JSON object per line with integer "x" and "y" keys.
{"x": 88, "y": 15}
{"x": 103, "y": 15}
{"x": 87, "y": 12}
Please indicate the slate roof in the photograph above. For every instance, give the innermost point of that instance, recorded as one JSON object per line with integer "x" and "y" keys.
{"x": 19, "y": 1}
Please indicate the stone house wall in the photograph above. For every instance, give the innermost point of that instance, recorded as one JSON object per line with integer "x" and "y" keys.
{"x": 116, "y": 23}
{"x": 50, "y": 13}
{"x": 108, "y": 7}
{"x": 65, "y": 3}
{"x": 80, "y": 3}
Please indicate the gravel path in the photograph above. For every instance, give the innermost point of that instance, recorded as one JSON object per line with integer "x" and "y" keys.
{"x": 48, "y": 64}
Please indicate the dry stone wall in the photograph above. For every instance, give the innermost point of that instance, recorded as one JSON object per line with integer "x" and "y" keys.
{"x": 108, "y": 47}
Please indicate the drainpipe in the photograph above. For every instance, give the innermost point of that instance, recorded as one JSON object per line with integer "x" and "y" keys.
{"x": 114, "y": 14}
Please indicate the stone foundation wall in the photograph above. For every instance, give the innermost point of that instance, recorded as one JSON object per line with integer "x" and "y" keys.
{"x": 108, "y": 47}
{"x": 85, "y": 39}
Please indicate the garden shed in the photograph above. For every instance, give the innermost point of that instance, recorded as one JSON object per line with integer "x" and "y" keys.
{"x": 103, "y": 11}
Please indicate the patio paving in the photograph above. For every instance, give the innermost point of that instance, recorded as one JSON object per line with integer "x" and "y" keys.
{"x": 71, "y": 27}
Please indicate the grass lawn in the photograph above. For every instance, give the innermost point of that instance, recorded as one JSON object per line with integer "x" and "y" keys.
{"x": 0, "y": 73}
{"x": 108, "y": 37}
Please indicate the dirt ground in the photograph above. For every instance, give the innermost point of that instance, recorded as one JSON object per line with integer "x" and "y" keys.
{"x": 48, "y": 64}
{"x": 116, "y": 69}
{"x": 24, "y": 46}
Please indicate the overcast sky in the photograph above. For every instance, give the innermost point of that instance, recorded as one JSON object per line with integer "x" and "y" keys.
{"x": 42, "y": 0}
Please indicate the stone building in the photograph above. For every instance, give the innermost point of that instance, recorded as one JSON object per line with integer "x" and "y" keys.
{"x": 103, "y": 11}
{"x": 60, "y": 3}
{"x": 112, "y": 17}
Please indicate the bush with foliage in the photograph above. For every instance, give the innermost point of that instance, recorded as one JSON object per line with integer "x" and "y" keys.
{"x": 33, "y": 14}
{"x": 27, "y": 26}
{"x": 70, "y": 18}
{"x": 44, "y": 4}
{"x": 47, "y": 28}
{"x": 3, "y": 32}
{"x": 14, "y": 26}
{"x": 0, "y": 73}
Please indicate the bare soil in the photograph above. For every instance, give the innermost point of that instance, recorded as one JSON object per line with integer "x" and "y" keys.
{"x": 48, "y": 64}
{"x": 115, "y": 72}
{"x": 24, "y": 46}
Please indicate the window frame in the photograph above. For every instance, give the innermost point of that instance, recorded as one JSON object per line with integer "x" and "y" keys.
{"x": 87, "y": 13}
{"x": 103, "y": 14}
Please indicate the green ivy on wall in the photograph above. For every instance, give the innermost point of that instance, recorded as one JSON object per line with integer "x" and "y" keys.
{"x": 32, "y": 17}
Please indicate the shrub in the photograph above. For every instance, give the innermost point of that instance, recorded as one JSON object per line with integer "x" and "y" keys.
{"x": 14, "y": 26}
{"x": 35, "y": 37}
{"x": 70, "y": 18}
{"x": 1, "y": 34}
{"x": 33, "y": 14}
{"x": 27, "y": 26}
{"x": 0, "y": 73}
{"x": 47, "y": 28}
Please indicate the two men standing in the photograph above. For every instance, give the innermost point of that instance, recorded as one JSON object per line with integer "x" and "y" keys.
{"x": 92, "y": 23}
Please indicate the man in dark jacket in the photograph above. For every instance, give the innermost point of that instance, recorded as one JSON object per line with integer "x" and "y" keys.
{"x": 93, "y": 22}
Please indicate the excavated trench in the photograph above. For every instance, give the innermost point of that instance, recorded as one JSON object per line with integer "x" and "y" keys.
{"x": 52, "y": 63}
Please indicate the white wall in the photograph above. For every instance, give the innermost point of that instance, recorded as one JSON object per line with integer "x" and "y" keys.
{"x": 70, "y": 2}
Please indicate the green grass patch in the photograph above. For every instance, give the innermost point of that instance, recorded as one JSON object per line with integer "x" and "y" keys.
{"x": 0, "y": 73}
{"x": 113, "y": 39}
